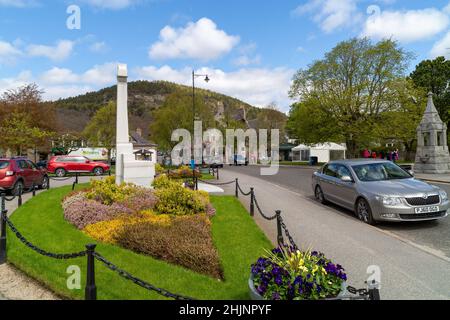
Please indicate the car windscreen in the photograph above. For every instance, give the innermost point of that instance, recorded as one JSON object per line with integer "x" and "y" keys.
{"x": 4, "y": 164}
{"x": 380, "y": 172}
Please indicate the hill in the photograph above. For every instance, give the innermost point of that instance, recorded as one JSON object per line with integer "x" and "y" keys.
{"x": 144, "y": 97}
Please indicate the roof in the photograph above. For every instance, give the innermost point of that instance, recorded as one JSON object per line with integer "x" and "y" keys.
{"x": 321, "y": 146}
{"x": 137, "y": 139}
{"x": 359, "y": 161}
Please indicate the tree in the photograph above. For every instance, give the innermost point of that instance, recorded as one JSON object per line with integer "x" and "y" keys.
{"x": 176, "y": 113}
{"x": 272, "y": 118}
{"x": 350, "y": 88}
{"x": 101, "y": 130}
{"x": 18, "y": 134}
{"x": 434, "y": 76}
{"x": 401, "y": 122}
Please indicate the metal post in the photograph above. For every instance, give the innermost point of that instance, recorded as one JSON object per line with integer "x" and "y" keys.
{"x": 91, "y": 289}
{"x": 252, "y": 202}
{"x": 196, "y": 183}
{"x": 217, "y": 173}
{"x": 3, "y": 231}
{"x": 19, "y": 199}
{"x": 374, "y": 291}
{"x": 34, "y": 190}
{"x": 48, "y": 183}
{"x": 237, "y": 188}
{"x": 280, "y": 238}
{"x": 76, "y": 178}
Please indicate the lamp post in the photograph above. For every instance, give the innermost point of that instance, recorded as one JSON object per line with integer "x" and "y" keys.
{"x": 194, "y": 75}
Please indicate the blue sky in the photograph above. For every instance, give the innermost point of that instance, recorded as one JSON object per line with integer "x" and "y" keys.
{"x": 250, "y": 49}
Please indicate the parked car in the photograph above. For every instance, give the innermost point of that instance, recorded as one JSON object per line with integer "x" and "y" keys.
{"x": 239, "y": 160}
{"x": 379, "y": 190}
{"x": 61, "y": 165}
{"x": 18, "y": 174}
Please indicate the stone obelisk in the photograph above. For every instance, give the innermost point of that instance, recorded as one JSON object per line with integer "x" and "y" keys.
{"x": 432, "y": 150}
{"x": 128, "y": 169}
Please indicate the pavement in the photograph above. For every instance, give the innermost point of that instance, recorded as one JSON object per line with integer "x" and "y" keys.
{"x": 15, "y": 285}
{"x": 439, "y": 178}
{"x": 409, "y": 270}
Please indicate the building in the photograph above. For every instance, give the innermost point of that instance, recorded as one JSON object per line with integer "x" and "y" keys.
{"x": 142, "y": 148}
{"x": 325, "y": 152}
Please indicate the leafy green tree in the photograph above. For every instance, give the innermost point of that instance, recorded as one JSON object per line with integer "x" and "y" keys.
{"x": 350, "y": 88}
{"x": 176, "y": 113}
{"x": 101, "y": 130}
{"x": 401, "y": 122}
{"x": 18, "y": 134}
{"x": 434, "y": 76}
{"x": 271, "y": 118}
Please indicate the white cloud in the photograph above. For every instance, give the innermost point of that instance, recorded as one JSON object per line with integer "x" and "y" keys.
{"x": 61, "y": 51}
{"x": 98, "y": 47}
{"x": 331, "y": 15}
{"x": 18, "y": 3}
{"x": 201, "y": 40}
{"x": 111, "y": 4}
{"x": 257, "y": 86}
{"x": 442, "y": 47}
{"x": 99, "y": 75}
{"x": 406, "y": 26}
{"x": 246, "y": 60}
{"x": 8, "y": 53}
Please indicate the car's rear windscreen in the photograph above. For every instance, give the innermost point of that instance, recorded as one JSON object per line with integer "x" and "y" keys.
{"x": 4, "y": 164}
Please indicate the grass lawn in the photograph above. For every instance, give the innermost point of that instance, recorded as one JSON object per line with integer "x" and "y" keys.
{"x": 238, "y": 239}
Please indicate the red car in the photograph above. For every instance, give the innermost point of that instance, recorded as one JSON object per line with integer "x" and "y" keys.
{"x": 61, "y": 165}
{"x": 21, "y": 174}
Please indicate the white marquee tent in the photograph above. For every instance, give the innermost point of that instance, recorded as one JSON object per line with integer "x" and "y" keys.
{"x": 325, "y": 152}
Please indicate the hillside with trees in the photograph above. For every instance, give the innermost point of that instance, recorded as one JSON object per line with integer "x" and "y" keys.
{"x": 145, "y": 98}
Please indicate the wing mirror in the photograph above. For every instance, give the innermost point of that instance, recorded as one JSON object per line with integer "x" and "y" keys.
{"x": 347, "y": 179}
{"x": 411, "y": 172}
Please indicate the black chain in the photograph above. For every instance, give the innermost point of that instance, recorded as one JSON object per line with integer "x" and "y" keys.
{"x": 288, "y": 235}
{"x": 10, "y": 199}
{"x": 60, "y": 179}
{"x": 242, "y": 192}
{"x": 262, "y": 214}
{"x": 138, "y": 281}
{"x": 217, "y": 184}
{"x": 39, "y": 250}
{"x": 360, "y": 292}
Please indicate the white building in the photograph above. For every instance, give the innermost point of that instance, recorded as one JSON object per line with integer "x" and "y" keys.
{"x": 325, "y": 152}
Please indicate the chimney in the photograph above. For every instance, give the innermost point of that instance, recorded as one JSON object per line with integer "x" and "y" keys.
{"x": 139, "y": 132}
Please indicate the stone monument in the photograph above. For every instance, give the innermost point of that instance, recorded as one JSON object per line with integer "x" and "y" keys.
{"x": 432, "y": 150}
{"x": 128, "y": 169}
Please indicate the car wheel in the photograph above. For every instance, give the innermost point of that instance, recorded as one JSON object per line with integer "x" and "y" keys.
{"x": 319, "y": 195}
{"x": 44, "y": 184}
{"x": 18, "y": 188}
{"x": 98, "y": 171}
{"x": 60, "y": 172}
{"x": 364, "y": 212}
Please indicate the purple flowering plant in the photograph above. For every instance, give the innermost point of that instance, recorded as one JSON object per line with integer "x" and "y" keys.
{"x": 289, "y": 274}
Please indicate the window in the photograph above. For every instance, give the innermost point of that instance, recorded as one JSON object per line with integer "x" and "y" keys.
{"x": 426, "y": 139}
{"x": 31, "y": 164}
{"x": 4, "y": 164}
{"x": 380, "y": 172}
{"x": 23, "y": 164}
{"x": 342, "y": 171}
{"x": 330, "y": 170}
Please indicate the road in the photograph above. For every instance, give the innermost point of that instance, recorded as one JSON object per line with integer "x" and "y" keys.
{"x": 413, "y": 258}
{"x": 434, "y": 235}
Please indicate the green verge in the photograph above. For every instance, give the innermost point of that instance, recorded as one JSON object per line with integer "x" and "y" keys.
{"x": 238, "y": 239}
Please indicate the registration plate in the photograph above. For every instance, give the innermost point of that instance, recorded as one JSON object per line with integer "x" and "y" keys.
{"x": 427, "y": 209}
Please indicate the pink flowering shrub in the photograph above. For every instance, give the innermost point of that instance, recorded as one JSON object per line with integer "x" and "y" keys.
{"x": 141, "y": 200}
{"x": 82, "y": 212}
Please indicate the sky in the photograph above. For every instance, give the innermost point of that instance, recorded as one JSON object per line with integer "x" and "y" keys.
{"x": 250, "y": 49}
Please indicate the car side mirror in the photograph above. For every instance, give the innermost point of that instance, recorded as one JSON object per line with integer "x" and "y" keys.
{"x": 411, "y": 173}
{"x": 347, "y": 179}
{"x": 88, "y": 161}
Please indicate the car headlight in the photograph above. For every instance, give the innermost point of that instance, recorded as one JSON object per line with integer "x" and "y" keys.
{"x": 444, "y": 195}
{"x": 390, "y": 201}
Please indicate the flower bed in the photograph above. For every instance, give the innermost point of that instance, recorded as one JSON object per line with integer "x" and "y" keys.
{"x": 289, "y": 274}
{"x": 171, "y": 223}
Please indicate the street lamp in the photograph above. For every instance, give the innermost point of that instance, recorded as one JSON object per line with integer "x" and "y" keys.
{"x": 194, "y": 75}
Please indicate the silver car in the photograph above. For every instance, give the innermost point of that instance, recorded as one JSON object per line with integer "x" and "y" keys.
{"x": 379, "y": 190}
